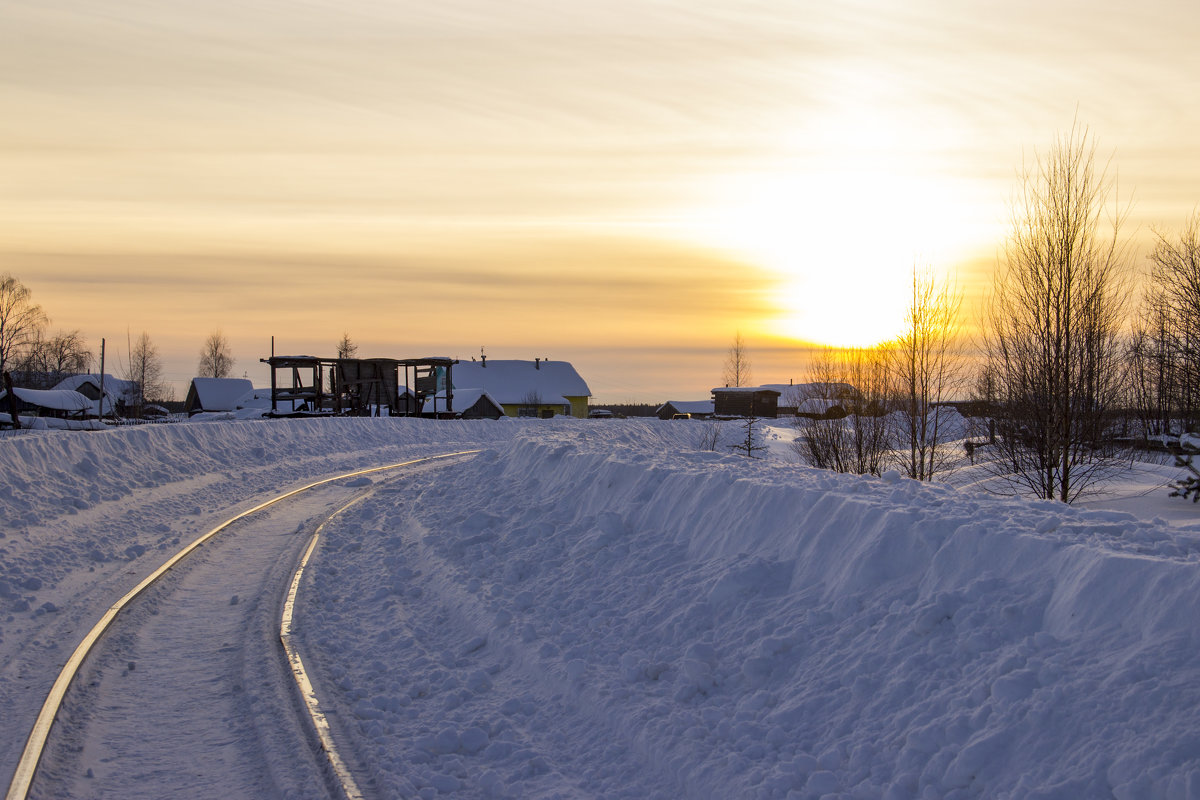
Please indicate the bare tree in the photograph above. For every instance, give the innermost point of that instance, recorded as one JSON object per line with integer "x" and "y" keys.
{"x": 927, "y": 371}
{"x": 144, "y": 370}
{"x": 21, "y": 320}
{"x": 1052, "y": 327}
{"x": 50, "y": 360}
{"x": 216, "y": 360}
{"x": 1164, "y": 350}
{"x": 737, "y": 363}
{"x": 859, "y": 441}
{"x": 531, "y": 404}
{"x": 346, "y": 348}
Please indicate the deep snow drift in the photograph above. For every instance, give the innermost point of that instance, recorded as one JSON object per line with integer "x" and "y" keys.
{"x": 601, "y": 609}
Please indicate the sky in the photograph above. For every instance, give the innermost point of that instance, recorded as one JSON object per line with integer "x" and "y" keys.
{"x": 624, "y": 185}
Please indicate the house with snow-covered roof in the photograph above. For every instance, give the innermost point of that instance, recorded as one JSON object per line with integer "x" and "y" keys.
{"x": 217, "y": 394}
{"x": 47, "y": 408}
{"x": 526, "y": 388}
{"x": 820, "y": 399}
{"x": 696, "y": 409}
{"x": 468, "y": 404}
{"x": 118, "y": 394}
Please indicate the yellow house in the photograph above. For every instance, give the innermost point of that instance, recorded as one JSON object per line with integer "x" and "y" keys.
{"x": 535, "y": 388}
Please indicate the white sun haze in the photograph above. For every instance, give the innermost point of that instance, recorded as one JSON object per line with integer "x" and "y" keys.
{"x": 841, "y": 216}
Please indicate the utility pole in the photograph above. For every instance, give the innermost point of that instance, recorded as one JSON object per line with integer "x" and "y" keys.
{"x": 100, "y": 406}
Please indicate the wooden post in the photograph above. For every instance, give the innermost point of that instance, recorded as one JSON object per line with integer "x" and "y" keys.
{"x": 12, "y": 401}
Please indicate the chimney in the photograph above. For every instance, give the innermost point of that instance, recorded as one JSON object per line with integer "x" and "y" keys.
{"x": 537, "y": 363}
{"x": 483, "y": 360}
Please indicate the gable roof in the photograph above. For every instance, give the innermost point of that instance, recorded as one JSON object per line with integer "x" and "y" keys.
{"x": 799, "y": 392}
{"x": 115, "y": 390}
{"x": 512, "y": 381}
{"x": 54, "y": 399}
{"x": 689, "y": 406}
{"x": 217, "y": 394}
{"x": 463, "y": 399}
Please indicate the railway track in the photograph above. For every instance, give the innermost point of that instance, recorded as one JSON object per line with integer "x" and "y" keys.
{"x": 214, "y": 618}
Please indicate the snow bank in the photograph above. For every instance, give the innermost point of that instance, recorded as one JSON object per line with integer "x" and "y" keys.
{"x": 581, "y": 614}
{"x": 603, "y": 609}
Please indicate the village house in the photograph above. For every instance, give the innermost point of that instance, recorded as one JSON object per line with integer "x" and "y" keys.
{"x": 118, "y": 394}
{"x": 537, "y": 388}
{"x": 745, "y": 401}
{"x": 695, "y": 409}
{"x": 217, "y": 394}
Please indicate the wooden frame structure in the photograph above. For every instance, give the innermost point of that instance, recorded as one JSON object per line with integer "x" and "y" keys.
{"x": 361, "y": 387}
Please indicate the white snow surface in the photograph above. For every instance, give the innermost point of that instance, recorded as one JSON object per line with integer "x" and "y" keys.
{"x": 600, "y": 609}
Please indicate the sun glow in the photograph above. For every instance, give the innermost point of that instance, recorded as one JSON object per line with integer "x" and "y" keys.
{"x": 842, "y": 232}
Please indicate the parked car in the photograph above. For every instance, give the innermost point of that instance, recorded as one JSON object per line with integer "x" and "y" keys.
{"x": 681, "y": 416}
{"x": 600, "y": 413}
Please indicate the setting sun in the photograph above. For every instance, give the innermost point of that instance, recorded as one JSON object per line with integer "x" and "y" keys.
{"x": 852, "y": 208}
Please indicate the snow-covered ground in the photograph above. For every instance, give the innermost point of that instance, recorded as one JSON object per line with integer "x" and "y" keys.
{"x": 603, "y": 609}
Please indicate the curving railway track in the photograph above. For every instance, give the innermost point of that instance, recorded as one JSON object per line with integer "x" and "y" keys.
{"x": 193, "y": 681}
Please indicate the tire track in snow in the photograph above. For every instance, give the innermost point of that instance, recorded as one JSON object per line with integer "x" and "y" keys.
{"x": 157, "y": 640}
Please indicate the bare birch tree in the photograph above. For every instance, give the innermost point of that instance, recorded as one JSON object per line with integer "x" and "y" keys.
{"x": 737, "y": 363}
{"x": 144, "y": 370}
{"x": 1165, "y": 346}
{"x": 927, "y": 371}
{"x": 216, "y": 359}
{"x": 1052, "y": 326}
{"x": 21, "y": 320}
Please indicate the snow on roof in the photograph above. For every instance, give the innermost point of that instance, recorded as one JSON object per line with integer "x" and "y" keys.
{"x": 512, "y": 381}
{"x": 689, "y": 406}
{"x": 798, "y": 392}
{"x": 220, "y": 394}
{"x": 746, "y": 389}
{"x": 55, "y": 399}
{"x": 463, "y": 399}
{"x": 113, "y": 387}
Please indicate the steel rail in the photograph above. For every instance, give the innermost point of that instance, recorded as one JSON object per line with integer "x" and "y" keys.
{"x": 308, "y": 694}
{"x": 31, "y": 756}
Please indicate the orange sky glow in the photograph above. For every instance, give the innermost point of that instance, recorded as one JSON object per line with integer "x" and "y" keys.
{"x": 623, "y": 185}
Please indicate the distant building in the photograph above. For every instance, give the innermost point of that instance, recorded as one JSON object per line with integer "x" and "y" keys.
{"x": 468, "y": 404}
{"x": 48, "y": 408}
{"x": 697, "y": 409}
{"x": 217, "y": 394}
{"x": 535, "y": 388}
{"x": 118, "y": 394}
{"x": 745, "y": 401}
{"x": 818, "y": 399}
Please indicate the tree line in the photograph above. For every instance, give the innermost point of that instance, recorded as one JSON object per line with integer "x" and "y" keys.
{"x": 1068, "y": 370}
{"x": 35, "y": 358}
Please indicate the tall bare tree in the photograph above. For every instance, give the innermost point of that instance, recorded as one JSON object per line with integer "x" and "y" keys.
{"x": 1165, "y": 346}
{"x": 216, "y": 358}
{"x": 145, "y": 370}
{"x": 21, "y": 320}
{"x": 737, "y": 363}
{"x": 1052, "y": 326}
{"x": 927, "y": 370}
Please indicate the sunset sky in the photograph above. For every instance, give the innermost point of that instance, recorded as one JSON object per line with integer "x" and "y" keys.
{"x": 621, "y": 184}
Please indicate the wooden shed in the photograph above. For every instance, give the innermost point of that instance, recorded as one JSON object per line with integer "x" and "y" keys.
{"x": 745, "y": 401}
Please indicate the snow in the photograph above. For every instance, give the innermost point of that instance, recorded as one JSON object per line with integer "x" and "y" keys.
{"x": 54, "y": 399}
{"x": 604, "y": 609}
{"x": 512, "y": 381}
{"x": 688, "y": 406}
{"x": 220, "y": 394}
